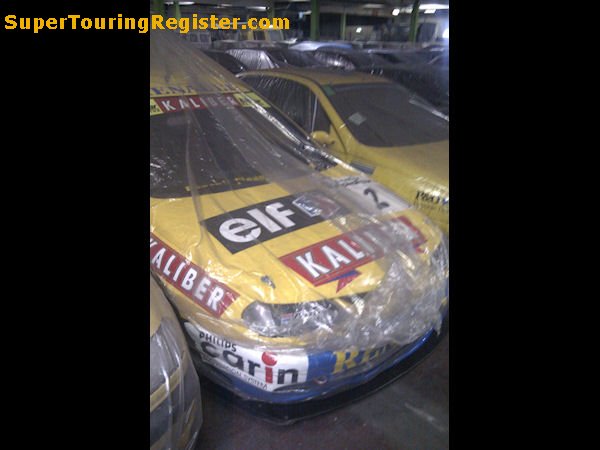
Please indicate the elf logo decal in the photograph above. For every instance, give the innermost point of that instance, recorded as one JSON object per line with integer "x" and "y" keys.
{"x": 189, "y": 279}
{"x": 245, "y": 227}
{"x": 264, "y": 370}
{"x": 338, "y": 257}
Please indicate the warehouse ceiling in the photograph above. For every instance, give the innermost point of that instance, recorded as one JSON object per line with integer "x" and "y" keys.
{"x": 359, "y": 7}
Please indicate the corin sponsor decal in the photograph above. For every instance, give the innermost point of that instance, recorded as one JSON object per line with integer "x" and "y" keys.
{"x": 264, "y": 370}
{"x": 337, "y": 258}
{"x": 189, "y": 279}
{"x": 244, "y": 228}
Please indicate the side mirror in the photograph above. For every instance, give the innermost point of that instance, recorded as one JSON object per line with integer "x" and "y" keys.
{"x": 322, "y": 137}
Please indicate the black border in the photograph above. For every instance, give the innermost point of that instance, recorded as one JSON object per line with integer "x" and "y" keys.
{"x": 75, "y": 207}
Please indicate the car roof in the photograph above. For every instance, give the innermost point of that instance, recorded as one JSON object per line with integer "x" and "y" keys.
{"x": 324, "y": 76}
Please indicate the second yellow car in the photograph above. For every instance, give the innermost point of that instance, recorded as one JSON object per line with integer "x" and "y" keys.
{"x": 372, "y": 123}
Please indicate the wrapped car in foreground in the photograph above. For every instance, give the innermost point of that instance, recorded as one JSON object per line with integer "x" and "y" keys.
{"x": 295, "y": 276}
{"x": 175, "y": 404}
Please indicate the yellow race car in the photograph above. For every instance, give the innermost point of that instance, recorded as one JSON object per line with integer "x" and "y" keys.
{"x": 371, "y": 123}
{"x": 175, "y": 403}
{"x": 294, "y": 275}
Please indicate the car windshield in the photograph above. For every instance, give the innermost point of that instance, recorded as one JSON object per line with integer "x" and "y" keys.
{"x": 385, "y": 115}
{"x": 214, "y": 157}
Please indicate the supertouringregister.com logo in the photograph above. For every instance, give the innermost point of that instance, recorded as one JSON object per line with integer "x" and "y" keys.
{"x": 142, "y": 24}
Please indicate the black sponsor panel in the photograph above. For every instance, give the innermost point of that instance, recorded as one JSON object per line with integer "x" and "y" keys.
{"x": 246, "y": 227}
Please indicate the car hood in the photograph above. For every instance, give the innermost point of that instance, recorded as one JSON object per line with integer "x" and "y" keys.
{"x": 270, "y": 267}
{"x": 426, "y": 163}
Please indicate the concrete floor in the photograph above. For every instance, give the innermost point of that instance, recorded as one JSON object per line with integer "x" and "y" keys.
{"x": 411, "y": 413}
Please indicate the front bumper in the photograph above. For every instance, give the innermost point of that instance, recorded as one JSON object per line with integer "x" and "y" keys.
{"x": 313, "y": 379}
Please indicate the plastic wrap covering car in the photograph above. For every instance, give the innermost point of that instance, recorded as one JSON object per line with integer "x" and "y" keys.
{"x": 373, "y": 124}
{"x": 429, "y": 80}
{"x": 175, "y": 403}
{"x": 314, "y": 45}
{"x": 295, "y": 58}
{"x": 337, "y": 60}
{"x": 351, "y": 60}
{"x": 263, "y": 59}
{"x": 232, "y": 64}
{"x": 295, "y": 276}
{"x": 255, "y": 59}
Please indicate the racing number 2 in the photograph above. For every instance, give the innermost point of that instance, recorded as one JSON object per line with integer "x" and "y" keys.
{"x": 373, "y": 194}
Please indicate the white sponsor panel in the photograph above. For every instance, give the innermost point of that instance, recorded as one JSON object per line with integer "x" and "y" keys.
{"x": 264, "y": 370}
{"x": 374, "y": 197}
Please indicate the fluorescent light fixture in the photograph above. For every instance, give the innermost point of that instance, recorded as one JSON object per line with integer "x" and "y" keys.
{"x": 186, "y": 3}
{"x": 225, "y": 5}
{"x": 359, "y": 29}
{"x": 434, "y": 6}
{"x": 373, "y": 5}
{"x": 426, "y": 7}
{"x": 430, "y": 11}
{"x": 446, "y": 33}
{"x": 257, "y": 8}
{"x": 395, "y": 11}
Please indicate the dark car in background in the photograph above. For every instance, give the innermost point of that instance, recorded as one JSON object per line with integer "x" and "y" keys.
{"x": 429, "y": 80}
{"x": 271, "y": 58}
{"x": 424, "y": 72}
{"x": 351, "y": 60}
{"x": 232, "y": 64}
{"x": 397, "y": 56}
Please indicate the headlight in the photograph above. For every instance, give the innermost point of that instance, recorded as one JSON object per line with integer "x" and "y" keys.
{"x": 291, "y": 319}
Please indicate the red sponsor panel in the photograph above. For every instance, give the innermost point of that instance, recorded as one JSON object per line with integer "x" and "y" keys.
{"x": 335, "y": 257}
{"x": 180, "y": 103}
{"x": 327, "y": 260}
{"x": 176, "y": 104}
{"x": 189, "y": 279}
{"x": 417, "y": 238}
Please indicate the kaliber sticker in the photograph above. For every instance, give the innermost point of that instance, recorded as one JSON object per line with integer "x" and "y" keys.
{"x": 189, "y": 279}
{"x": 264, "y": 370}
{"x": 338, "y": 257}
